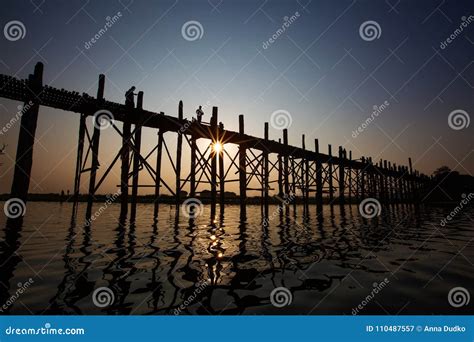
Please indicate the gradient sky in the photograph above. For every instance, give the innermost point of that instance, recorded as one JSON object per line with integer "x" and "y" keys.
{"x": 320, "y": 70}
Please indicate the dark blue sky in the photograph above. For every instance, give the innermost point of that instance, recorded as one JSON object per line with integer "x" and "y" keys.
{"x": 320, "y": 70}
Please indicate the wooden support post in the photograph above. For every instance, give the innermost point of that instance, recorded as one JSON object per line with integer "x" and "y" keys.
{"x": 319, "y": 179}
{"x": 280, "y": 174}
{"x": 265, "y": 171}
{"x": 293, "y": 182}
{"x": 126, "y": 137}
{"x": 400, "y": 184}
{"x": 386, "y": 181}
{"x": 305, "y": 177}
{"x": 80, "y": 152}
{"x": 371, "y": 185}
{"x": 221, "y": 172}
{"x": 242, "y": 170}
{"x": 136, "y": 157}
{"x": 390, "y": 183}
{"x": 381, "y": 181}
{"x": 331, "y": 189}
{"x": 341, "y": 176}
{"x": 192, "y": 192}
{"x": 95, "y": 151}
{"x": 412, "y": 188}
{"x": 179, "y": 149}
{"x": 286, "y": 164}
{"x": 214, "y": 128}
{"x": 406, "y": 184}
{"x": 159, "y": 153}
{"x": 26, "y": 138}
{"x": 349, "y": 170}
{"x": 362, "y": 179}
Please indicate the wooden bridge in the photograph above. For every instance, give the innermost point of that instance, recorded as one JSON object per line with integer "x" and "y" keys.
{"x": 300, "y": 170}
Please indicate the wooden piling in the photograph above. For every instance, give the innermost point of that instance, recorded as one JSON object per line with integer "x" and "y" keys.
{"x": 214, "y": 128}
{"x": 280, "y": 174}
{"x": 26, "y": 137}
{"x": 125, "y": 169}
{"x": 319, "y": 179}
{"x": 242, "y": 169}
{"x": 341, "y": 176}
{"x": 95, "y": 151}
{"x": 136, "y": 158}
{"x": 179, "y": 151}
{"x": 192, "y": 192}
{"x": 286, "y": 165}
{"x": 80, "y": 152}
{"x": 349, "y": 170}
{"x": 331, "y": 188}
{"x": 221, "y": 172}
{"x": 159, "y": 154}
{"x": 362, "y": 173}
{"x": 305, "y": 177}
{"x": 265, "y": 171}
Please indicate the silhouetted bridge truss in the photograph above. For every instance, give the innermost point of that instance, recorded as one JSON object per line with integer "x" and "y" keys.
{"x": 300, "y": 171}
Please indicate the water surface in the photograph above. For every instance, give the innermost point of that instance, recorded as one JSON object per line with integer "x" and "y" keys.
{"x": 229, "y": 266}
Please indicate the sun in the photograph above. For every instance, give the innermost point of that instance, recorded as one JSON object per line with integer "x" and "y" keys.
{"x": 217, "y": 147}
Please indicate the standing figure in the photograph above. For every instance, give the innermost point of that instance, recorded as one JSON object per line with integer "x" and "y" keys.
{"x": 129, "y": 97}
{"x": 199, "y": 113}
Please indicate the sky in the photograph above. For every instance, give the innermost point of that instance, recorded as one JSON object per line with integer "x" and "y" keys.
{"x": 323, "y": 73}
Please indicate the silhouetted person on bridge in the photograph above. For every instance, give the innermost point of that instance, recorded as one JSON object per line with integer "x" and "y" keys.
{"x": 129, "y": 97}
{"x": 199, "y": 113}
